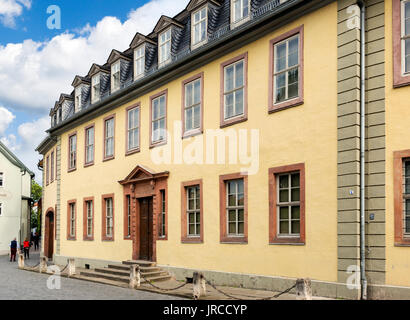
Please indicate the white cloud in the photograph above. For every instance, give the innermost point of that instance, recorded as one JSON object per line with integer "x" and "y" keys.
{"x": 11, "y": 9}
{"x": 6, "y": 117}
{"x": 37, "y": 72}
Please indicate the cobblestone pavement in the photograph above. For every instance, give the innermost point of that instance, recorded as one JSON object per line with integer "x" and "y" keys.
{"x": 24, "y": 285}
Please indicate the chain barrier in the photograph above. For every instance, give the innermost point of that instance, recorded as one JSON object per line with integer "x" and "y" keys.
{"x": 65, "y": 268}
{"x": 33, "y": 267}
{"x": 163, "y": 289}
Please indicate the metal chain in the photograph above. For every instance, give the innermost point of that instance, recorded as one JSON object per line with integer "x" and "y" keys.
{"x": 25, "y": 264}
{"x": 236, "y": 298}
{"x": 64, "y": 268}
{"x": 163, "y": 289}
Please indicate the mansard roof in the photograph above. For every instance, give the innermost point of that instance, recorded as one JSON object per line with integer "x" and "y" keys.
{"x": 115, "y": 55}
{"x": 65, "y": 96}
{"x": 79, "y": 80}
{"x": 164, "y": 22}
{"x": 194, "y": 4}
{"x": 140, "y": 39}
{"x": 95, "y": 68}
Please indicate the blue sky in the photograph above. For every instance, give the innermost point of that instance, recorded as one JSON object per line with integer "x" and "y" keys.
{"x": 38, "y": 64}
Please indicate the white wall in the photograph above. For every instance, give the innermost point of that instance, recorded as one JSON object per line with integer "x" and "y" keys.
{"x": 10, "y": 197}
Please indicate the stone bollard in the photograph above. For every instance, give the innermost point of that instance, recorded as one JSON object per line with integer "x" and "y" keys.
{"x": 43, "y": 264}
{"x": 199, "y": 285}
{"x": 71, "y": 267}
{"x": 303, "y": 289}
{"x": 21, "y": 261}
{"x": 135, "y": 276}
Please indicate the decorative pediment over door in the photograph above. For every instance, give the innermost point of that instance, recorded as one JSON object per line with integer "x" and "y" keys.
{"x": 142, "y": 174}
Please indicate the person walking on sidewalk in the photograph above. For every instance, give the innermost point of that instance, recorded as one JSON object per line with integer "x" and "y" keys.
{"x": 26, "y": 248}
{"x": 13, "y": 250}
{"x": 36, "y": 241}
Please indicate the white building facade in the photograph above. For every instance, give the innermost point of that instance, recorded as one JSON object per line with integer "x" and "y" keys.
{"x": 15, "y": 199}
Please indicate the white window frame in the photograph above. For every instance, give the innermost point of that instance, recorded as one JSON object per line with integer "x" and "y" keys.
{"x": 161, "y": 61}
{"x": 109, "y": 217}
{"x": 90, "y": 218}
{"x": 96, "y": 83}
{"x": 288, "y": 204}
{"x": 406, "y": 196}
{"x": 286, "y": 70}
{"x": 78, "y": 98}
{"x": 193, "y": 106}
{"x": 195, "y": 44}
{"x": 72, "y": 219}
{"x": 154, "y": 120}
{"x": 107, "y": 137}
{"x": 195, "y": 211}
{"x": 115, "y": 70}
{"x": 139, "y": 58}
{"x": 136, "y": 127}
{"x": 237, "y": 22}
{"x": 404, "y": 37}
{"x": 72, "y": 142}
{"x": 235, "y": 89}
{"x": 237, "y": 208}
{"x": 89, "y": 145}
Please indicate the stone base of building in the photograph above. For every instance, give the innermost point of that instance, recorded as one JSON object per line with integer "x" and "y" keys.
{"x": 333, "y": 290}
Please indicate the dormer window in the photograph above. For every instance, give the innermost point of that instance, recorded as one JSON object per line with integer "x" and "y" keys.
{"x": 116, "y": 76}
{"x": 164, "y": 47}
{"x": 96, "y": 88}
{"x": 199, "y": 28}
{"x": 60, "y": 115}
{"x": 240, "y": 11}
{"x": 139, "y": 62}
{"x": 78, "y": 92}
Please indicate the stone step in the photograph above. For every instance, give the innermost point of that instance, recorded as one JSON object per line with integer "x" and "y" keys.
{"x": 100, "y": 275}
{"x": 141, "y": 263}
{"x": 164, "y": 277}
{"x": 124, "y": 267}
{"x": 113, "y": 271}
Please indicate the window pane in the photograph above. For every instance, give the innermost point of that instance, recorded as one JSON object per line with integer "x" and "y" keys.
{"x": 284, "y": 213}
{"x": 241, "y": 199}
{"x": 241, "y": 227}
{"x": 295, "y": 194}
{"x": 197, "y": 117}
{"x": 295, "y": 227}
{"x": 232, "y": 216}
{"x": 239, "y": 102}
{"x": 407, "y": 17}
{"x": 229, "y": 78}
{"x": 293, "y": 52}
{"x": 197, "y": 92}
{"x": 232, "y": 200}
{"x": 293, "y": 90}
{"x": 239, "y": 74}
{"x": 188, "y": 119}
{"x": 295, "y": 213}
{"x": 295, "y": 180}
{"x": 232, "y": 228}
{"x": 280, "y": 57}
{"x": 283, "y": 182}
{"x": 284, "y": 227}
{"x": 229, "y": 106}
{"x": 192, "y": 229}
{"x": 188, "y": 95}
{"x": 283, "y": 195}
{"x": 241, "y": 215}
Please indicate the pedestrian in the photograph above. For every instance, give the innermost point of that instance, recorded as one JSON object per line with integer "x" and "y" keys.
{"x": 36, "y": 241}
{"x": 26, "y": 248}
{"x": 13, "y": 250}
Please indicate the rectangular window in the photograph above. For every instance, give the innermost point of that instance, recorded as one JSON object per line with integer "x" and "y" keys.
{"x": 193, "y": 105}
{"x": 240, "y": 11}
{"x": 235, "y": 203}
{"x": 164, "y": 47}
{"x": 88, "y": 212}
{"x": 233, "y": 197}
{"x": 128, "y": 217}
{"x": 287, "y": 204}
{"x": 286, "y": 74}
{"x": 48, "y": 170}
{"x": 72, "y": 162}
{"x": 199, "y": 26}
{"x": 139, "y": 56}
{"x": 71, "y": 219}
{"x": 109, "y": 217}
{"x": 234, "y": 90}
{"x": 89, "y": 145}
{"x": 162, "y": 228}
{"x": 1, "y": 179}
{"x": 96, "y": 88}
{"x": 116, "y": 76}
{"x": 159, "y": 118}
{"x": 52, "y": 166}
{"x": 109, "y": 138}
{"x": 193, "y": 211}
{"x": 133, "y": 129}
{"x": 78, "y": 94}
{"x": 286, "y": 70}
{"x": 406, "y": 197}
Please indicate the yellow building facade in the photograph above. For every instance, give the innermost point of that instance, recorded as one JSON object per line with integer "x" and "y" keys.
{"x": 291, "y": 156}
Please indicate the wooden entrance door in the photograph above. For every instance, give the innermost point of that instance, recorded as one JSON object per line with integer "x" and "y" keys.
{"x": 146, "y": 229}
{"x": 49, "y": 236}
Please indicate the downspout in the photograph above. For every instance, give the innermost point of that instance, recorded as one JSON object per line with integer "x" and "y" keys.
{"x": 363, "y": 280}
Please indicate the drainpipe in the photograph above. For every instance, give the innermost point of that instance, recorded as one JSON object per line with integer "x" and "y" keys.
{"x": 363, "y": 280}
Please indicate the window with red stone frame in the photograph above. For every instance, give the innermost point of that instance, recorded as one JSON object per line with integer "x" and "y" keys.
{"x": 401, "y": 43}
{"x": 127, "y": 216}
{"x": 192, "y": 221}
{"x": 233, "y": 195}
{"x": 108, "y": 217}
{"x": 287, "y": 205}
{"x": 109, "y": 138}
{"x": 192, "y": 111}
{"x": 401, "y": 167}
{"x": 286, "y": 90}
{"x": 52, "y": 167}
{"x": 48, "y": 170}
{"x": 88, "y": 219}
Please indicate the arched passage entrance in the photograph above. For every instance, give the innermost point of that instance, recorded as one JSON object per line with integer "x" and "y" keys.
{"x": 49, "y": 234}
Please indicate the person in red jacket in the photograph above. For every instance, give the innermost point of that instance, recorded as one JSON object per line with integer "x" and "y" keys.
{"x": 26, "y": 247}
